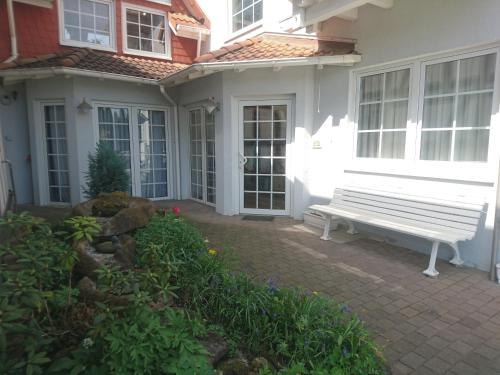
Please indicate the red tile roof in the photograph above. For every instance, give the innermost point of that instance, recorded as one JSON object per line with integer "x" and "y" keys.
{"x": 269, "y": 47}
{"x": 87, "y": 59}
{"x": 185, "y": 20}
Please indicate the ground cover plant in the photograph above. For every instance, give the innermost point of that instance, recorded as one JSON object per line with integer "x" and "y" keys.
{"x": 150, "y": 319}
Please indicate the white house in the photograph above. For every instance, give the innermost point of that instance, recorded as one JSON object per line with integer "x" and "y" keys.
{"x": 294, "y": 99}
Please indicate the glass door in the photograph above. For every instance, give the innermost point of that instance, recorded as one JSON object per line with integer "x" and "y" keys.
{"x": 263, "y": 164}
{"x": 153, "y": 153}
{"x": 57, "y": 153}
{"x": 202, "y": 155}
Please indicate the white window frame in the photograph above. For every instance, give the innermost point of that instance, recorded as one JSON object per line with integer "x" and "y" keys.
{"x": 134, "y": 142}
{"x": 168, "y": 39}
{"x": 75, "y": 43}
{"x": 243, "y": 30}
{"x": 411, "y": 165}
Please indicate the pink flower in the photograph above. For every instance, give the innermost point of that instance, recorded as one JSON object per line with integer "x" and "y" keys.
{"x": 176, "y": 211}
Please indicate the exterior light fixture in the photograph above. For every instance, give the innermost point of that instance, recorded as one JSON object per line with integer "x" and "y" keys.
{"x": 84, "y": 106}
{"x": 211, "y": 105}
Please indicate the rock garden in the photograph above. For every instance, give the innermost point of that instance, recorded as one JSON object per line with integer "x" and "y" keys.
{"x": 121, "y": 288}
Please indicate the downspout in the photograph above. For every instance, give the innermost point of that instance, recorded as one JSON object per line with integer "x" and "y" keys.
{"x": 12, "y": 30}
{"x": 198, "y": 45}
{"x": 496, "y": 230}
{"x": 176, "y": 138}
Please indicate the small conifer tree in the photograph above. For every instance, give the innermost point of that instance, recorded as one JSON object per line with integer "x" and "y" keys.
{"x": 107, "y": 172}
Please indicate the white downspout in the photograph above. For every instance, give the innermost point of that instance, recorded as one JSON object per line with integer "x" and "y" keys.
{"x": 198, "y": 45}
{"x": 12, "y": 30}
{"x": 176, "y": 138}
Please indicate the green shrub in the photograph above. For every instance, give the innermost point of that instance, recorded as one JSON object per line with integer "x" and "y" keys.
{"x": 35, "y": 294}
{"x": 303, "y": 331}
{"x": 107, "y": 172}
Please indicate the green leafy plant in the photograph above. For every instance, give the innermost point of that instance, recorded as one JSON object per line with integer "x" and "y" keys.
{"x": 107, "y": 172}
{"x": 82, "y": 227}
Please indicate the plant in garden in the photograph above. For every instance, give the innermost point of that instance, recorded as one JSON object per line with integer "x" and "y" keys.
{"x": 35, "y": 294}
{"x": 82, "y": 227}
{"x": 107, "y": 172}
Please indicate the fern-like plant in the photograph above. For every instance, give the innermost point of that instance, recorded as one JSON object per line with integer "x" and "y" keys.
{"x": 107, "y": 172}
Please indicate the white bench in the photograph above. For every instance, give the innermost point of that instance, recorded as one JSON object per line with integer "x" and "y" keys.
{"x": 439, "y": 221}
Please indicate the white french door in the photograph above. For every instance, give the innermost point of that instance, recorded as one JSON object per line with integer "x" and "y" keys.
{"x": 202, "y": 155}
{"x": 264, "y": 167}
{"x": 141, "y": 135}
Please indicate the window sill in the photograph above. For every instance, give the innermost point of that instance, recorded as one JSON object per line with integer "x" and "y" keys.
{"x": 70, "y": 43}
{"x": 481, "y": 173}
{"x": 147, "y": 54}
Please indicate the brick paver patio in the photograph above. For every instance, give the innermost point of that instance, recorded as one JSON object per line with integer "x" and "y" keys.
{"x": 426, "y": 326}
{"x": 449, "y": 325}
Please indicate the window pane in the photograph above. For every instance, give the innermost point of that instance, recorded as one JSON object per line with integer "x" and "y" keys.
{"x": 71, "y": 5}
{"x": 436, "y": 145}
{"x": 474, "y": 110}
{"x": 250, "y": 130}
{"x": 237, "y": 21}
{"x": 71, "y": 19}
{"x": 371, "y": 88}
{"x": 441, "y": 78}
{"x": 471, "y": 145}
{"x": 250, "y": 113}
{"x": 102, "y": 24}
{"x": 132, "y": 15}
{"x": 369, "y": 116}
{"x": 132, "y": 30}
{"x": 250, "y": 200}
{"x": 237, "y": 5}
{"x": 477, "y": 73}
{"x": 395, "y": 115}
{"x": 397, "y": 84}
{"x": 393, "y": 145}
{"x": 145, "y": 18}
{"x": 257, "y": 11}
{"x": 87, "y": 6}
{"x": 265, "y": 113}
{"x": 133, "y": 43}
{"x": 102, "y": 10}
{"x": 278, "y": 201}
{"x": 438, "y": 112}
{"x": 368, "y": 145}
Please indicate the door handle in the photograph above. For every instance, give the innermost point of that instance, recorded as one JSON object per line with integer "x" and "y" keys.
{"x": 243, "y": 160}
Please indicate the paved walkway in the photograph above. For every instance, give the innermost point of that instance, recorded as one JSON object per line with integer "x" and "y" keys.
{"x": 426, "y": 326}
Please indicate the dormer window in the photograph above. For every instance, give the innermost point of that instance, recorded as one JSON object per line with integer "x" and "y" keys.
{"x": 246, "y": 13}
{"x": 145, "y": 32}
{"x": 86, "y": 23}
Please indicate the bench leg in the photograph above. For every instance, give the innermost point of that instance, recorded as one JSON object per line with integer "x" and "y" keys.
{"x": 351, "y": 229}
{"x": 326, "y": 230}
{"x": 431, "y": 270}
{"x": 456, "y": 260}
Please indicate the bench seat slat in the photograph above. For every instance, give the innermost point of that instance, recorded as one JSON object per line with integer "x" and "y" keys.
{"x": 406, "y": 226}
{"x": 419, "y": 207}
{"x": 415, "y": 198}
{"x": 396, "y": 214}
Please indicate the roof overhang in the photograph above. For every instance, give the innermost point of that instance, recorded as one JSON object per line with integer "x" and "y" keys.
{"x": 191, "y": 32}
{"x": 16, "y": 75}
{"x": 37, "y": 3}
{"x": 203, "y": 69}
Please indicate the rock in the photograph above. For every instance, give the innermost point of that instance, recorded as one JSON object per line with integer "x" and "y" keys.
{"x": 125, "y": 252}
{"x": 109, "y": 204}
{"x": 90, "y": 260}
{"x": 260, "y": 363}
{"x": 87, "y": 289}
{"x": 83, "y": 209}
{"x": 106, "y": 247}
{"x": 127, "y": 220}
{"x": 215, "y": 346}
{"x": 234, "y": 366}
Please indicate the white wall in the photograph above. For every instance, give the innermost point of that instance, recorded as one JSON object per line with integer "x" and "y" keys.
{"x": 410, "y": 29}
{"x": 14, "y": 123}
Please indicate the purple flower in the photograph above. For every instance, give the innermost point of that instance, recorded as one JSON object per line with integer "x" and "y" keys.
{"x": 345, "y": 351}
{"x": 345, "y": 309}
{"x": 271, "y": 286}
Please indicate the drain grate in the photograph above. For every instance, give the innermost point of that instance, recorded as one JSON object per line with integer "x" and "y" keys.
{"x": 258, "y": 218}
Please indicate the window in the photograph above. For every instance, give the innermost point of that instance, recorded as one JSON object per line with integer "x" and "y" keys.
{"x": 57, "y": 153}
{"x": 145, "y": 32}
{"x": 458, "y": 98}
{"x": 245, "y": 13}
{"x": 446, "y": 119}
{"x": 382, "y": 115}
{"x": 86, "y": 23}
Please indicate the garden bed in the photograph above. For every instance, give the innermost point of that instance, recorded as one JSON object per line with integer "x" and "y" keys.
{"x": 177, "y": 310}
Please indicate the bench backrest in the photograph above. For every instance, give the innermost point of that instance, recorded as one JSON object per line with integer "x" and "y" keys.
{"x": 454, "y": 216}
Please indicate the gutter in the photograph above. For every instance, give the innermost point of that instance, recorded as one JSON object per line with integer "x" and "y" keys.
{"x": 176, "y": 138}
{"x": 39, "y": 73}
{"x": 14, "y": 54}
{"x": 201, "y": 69}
